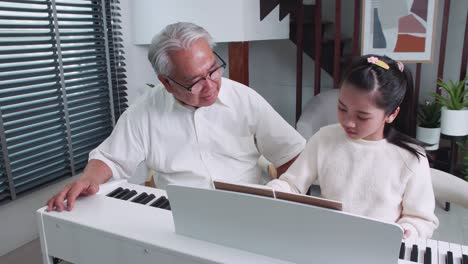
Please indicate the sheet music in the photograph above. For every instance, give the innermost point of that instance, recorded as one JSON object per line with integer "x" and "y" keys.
{"x": 267, "y": 191}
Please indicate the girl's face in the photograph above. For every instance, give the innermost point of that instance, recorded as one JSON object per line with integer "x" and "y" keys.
{"x": 359, "y": 116}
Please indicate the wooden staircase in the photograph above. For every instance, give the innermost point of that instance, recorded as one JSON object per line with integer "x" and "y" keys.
{"x": 316, "y": 38}
{"x": 328, "y": 40}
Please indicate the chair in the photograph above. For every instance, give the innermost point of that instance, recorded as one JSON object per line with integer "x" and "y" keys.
{"x": 449, "y": 188}
{"x": 320, "y": 110}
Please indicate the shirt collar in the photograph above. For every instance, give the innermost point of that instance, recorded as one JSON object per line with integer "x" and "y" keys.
{"x": 223, "y": 96}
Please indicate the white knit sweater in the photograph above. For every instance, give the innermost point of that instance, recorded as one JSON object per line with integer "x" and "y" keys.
{"x": 371, "y": 178}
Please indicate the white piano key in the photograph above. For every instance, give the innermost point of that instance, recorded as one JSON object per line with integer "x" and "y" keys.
{"x": 421, "y": 249}
{"x": 443, "y": 247}
{"x": 464, "y": 250}
{"x": 457, "y": 253}
{"x": 434, "y": 250}
{"x": 408, "y": 246}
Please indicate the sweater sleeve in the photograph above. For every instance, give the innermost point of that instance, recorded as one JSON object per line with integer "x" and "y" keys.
{"x": 303, "y": 171}
{"x": 418, "y": 203}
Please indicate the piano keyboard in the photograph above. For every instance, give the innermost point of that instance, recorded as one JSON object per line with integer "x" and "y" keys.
{"x": 140, "y": 198}
{"x": 430, "y": 251}
{"x": 147, "y": 233}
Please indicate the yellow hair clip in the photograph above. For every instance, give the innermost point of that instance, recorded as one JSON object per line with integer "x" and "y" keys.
{"x": 376, "y": 61}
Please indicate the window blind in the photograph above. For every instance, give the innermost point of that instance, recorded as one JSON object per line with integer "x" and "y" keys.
{"x": 62, "y": 87}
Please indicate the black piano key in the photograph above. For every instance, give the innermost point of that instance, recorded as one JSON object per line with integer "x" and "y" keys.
{"x": 449, "y": 259}
{"x": 122, "y": 193}
{"x": 414, "y": 253}
{"x": 158, "y": 201}
{"x": 402, "y": 251}
{"x": 164, "y": 204}
{"x": 140, "y": 197}
{"x": 129, "y": 195}
{"x": 464, "y": 259}
{"x": 115, "y": 192}
{"x": 147, "y": 199}
{"x": 428, "y": 256}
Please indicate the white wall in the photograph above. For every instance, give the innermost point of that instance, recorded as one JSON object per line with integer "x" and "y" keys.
{"x": 241, "y": 21}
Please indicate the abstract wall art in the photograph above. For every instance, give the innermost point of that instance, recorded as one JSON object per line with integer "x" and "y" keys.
{"x": 401, "y": 29}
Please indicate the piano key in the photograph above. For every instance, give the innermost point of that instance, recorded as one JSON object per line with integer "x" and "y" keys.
{"x": 129, "y": 195}
{"x": 147, "y": 199}
{"x": 421, "y": 249}
{"x": 402, "y": 250}
{"x": 449, "y": 258}
{"x": 158, "y": 201}
{"x": 434, "y": 251}
{"x": 457, "y": 253}
{"x": 464, "y": 254}
{"x": 115, "y": 192}
{"x": 428, "y": 256}
{"x": 164, "y": 204}
{"x": 408, "y": 247}
{"x": 442, "y": 248}
{"x": 122, "y": 193}
{"x": 140, "y": 197}
{"x": 414, "y": 253}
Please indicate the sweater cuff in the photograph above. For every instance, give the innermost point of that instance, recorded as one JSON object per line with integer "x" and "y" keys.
{"x": 279, "y": 185}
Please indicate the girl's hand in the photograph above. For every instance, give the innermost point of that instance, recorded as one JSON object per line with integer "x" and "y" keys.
{"x": 406, "y": 233}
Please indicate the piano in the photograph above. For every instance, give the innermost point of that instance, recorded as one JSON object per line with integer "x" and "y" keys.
{"x": 128, "y": 223}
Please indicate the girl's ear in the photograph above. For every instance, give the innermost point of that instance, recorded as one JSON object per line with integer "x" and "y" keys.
{"x": 389, "y": 119}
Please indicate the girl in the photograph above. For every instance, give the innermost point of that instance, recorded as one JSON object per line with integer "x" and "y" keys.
{"x": 366, "y": 161}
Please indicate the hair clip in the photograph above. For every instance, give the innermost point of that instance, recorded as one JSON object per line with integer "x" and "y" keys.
{"x": 376, "y": 61}
{"x": 401, "y": 66}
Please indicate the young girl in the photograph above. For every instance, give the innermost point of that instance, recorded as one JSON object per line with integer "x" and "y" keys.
{"x": 366, "y": 161}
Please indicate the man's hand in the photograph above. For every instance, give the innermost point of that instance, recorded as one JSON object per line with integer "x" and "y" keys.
{"x": 81, "y": 187}
{"x": 95, "y": 173}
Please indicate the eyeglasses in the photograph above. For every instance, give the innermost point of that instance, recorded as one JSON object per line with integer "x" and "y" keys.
{"x": 213, "y": 75}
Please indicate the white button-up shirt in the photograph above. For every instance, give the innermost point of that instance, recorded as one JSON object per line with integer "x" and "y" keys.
{"x": 194, "y": 146}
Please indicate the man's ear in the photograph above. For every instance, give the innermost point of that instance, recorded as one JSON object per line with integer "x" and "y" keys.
{"x": 389, "y": 119}
{"x": 166, "y": 82}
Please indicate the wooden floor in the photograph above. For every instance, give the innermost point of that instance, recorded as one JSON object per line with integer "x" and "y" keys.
{"x": 453, "y": 228}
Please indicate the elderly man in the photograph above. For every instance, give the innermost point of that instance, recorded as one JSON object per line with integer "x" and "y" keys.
{"x": 200, "y": 127}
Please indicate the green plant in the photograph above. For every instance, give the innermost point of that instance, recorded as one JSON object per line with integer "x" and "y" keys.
{"x": 429, "y": 115}
{"x": 457, "y": 94}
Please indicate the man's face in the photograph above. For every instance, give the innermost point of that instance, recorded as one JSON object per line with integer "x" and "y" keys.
{"x": 189, "y": 66}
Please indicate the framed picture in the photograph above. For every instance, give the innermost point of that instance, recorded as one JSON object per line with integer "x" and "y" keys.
{"x": 401, "y": 29}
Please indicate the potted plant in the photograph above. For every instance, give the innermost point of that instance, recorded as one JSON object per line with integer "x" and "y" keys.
{"x": 454, "y": 119}
{"x": 428, "y": 129}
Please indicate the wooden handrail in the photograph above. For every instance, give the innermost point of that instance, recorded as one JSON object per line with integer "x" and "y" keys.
{"x": 299, "y": 51}
{"x": 318, "y": 46}
{"x": 337, "y": 53}
{"x": 443, "y": 42}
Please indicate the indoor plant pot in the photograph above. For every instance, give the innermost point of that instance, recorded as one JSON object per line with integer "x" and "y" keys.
{"x": 454, "y": 120}
{"x": 428, "y": 129}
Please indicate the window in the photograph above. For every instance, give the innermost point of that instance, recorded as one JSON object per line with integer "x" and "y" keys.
{"x": 62, "y": 87}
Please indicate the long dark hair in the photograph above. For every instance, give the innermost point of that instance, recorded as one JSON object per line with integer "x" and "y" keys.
{"x": 392, "y": 88}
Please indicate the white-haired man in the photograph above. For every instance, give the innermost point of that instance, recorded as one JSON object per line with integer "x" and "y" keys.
{"x": 198, "y": 128}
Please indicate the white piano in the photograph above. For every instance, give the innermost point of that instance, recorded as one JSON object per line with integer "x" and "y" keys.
{"x": 127, "y": 223}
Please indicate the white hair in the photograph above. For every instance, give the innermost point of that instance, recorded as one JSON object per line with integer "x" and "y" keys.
{"x": 175, "y": 36}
